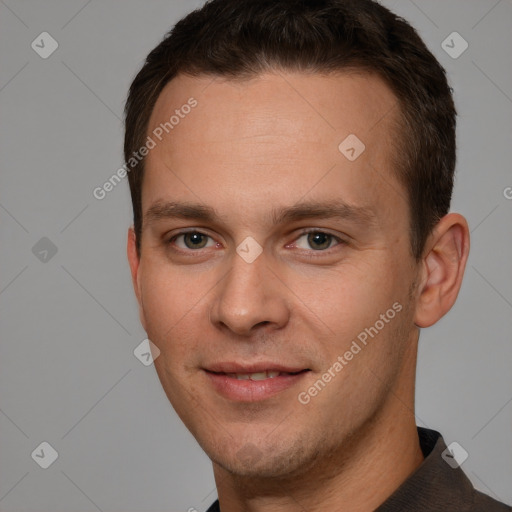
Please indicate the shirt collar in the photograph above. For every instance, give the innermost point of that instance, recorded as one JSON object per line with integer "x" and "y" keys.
{"x": 434, "y": 485}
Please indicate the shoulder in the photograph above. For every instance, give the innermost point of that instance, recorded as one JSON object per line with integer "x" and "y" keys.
{"x": 214, "y": 507}
{"x": 484, "y": 503}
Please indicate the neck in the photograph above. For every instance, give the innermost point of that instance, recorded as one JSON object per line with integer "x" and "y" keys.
{"x": 360, "y": 476}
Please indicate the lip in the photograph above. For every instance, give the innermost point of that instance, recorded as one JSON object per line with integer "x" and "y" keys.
{"x": 234, "y": 367}
{"x": 248, "y": 390}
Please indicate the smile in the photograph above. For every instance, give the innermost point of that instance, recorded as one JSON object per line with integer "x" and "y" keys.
{"x": 253, "y": 386}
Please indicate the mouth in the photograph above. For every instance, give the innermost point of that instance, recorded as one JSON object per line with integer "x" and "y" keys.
{"x": 252, "y": 384}
{"x": 261, "y": 375}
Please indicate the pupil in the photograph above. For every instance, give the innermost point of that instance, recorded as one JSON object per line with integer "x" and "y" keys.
{"x": 319, "y": 239}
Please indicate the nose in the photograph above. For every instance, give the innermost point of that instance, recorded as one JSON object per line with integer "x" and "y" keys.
{"x": 250, "y": 297}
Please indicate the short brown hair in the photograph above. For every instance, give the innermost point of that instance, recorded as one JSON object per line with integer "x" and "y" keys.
{"x": 243, "y": 38}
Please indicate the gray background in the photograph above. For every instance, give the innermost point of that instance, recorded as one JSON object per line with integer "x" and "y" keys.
{"x": 69, "y": 324}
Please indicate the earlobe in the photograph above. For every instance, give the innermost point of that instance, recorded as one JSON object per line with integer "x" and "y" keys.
{"x": 134, "y": 262}
{"x": 444, "y": 262}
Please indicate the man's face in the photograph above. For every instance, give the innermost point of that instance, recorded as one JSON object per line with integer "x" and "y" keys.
{"x": 249, "y": 152}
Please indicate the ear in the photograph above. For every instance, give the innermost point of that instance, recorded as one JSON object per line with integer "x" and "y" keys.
{"x": 134, "y": 261}
{"x": 443, "y": 263}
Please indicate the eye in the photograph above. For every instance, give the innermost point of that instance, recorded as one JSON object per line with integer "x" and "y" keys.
{"x": 317, "y": 240}
{"x": 191, "y": 240}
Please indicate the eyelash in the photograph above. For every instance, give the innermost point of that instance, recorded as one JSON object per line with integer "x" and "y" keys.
{"x": 303, "y": 233}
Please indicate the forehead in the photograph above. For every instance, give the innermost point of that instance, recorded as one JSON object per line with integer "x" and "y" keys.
{"x": 354, "y": 100}
{"x": 273, "y": 133}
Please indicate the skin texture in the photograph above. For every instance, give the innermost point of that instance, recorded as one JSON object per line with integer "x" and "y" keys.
{"x": 248, "y": 148}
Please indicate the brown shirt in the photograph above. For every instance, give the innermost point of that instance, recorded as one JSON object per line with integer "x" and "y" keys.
{"x": 435, "y": 486}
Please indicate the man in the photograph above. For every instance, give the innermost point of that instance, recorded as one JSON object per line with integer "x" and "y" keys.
{"x": 291, "y": 168}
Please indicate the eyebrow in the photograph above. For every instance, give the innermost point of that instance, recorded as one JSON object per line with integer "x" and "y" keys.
{"x": 162, "y": 210}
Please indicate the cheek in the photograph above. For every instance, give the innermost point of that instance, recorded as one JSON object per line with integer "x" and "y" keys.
{"x": 350, "y": 298}
{"x": 173, "y": 305}
{"x": 363, "y": 362}
{"x": 160, "y": 302}
{"x": 172, "y": 302}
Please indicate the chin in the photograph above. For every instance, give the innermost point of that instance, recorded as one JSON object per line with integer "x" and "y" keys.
{"x": 266, "y": 462}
